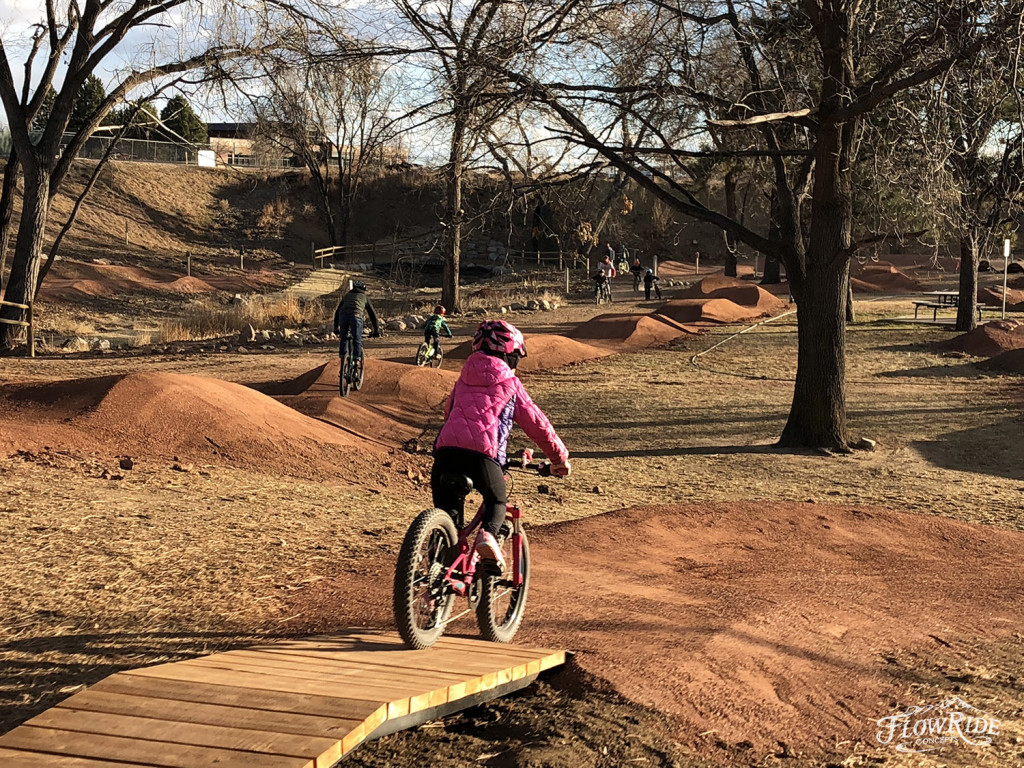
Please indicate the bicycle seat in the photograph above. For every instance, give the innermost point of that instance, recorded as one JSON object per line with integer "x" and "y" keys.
{"x": 460, "y": 485}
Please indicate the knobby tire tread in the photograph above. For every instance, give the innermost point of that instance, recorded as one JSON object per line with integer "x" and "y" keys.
{"x": 404, "y": 596}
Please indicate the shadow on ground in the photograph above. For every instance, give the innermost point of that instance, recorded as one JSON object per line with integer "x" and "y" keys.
{"x": 994, "y": 450}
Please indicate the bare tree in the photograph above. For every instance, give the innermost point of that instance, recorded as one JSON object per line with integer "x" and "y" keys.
{"x": 337, "y": 116}
{"x": 851, "y": 56}
{"x": 73, "y": 43}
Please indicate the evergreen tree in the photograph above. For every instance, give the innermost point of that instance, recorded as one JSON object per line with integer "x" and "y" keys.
{"x": 90, "y": 97}
{"x": 179, "y": 117}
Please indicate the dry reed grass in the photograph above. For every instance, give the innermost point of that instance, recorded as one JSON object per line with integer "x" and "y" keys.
{"x": 207, "y": 318}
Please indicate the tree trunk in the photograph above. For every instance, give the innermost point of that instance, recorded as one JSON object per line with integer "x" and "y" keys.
{"x": 772, "y": 271}
{"x": 453, "y": 221}
{"x": 967, "y": 306}
{"x": 21, "y": 287}
{"x": 7, "y": 209}
{"x": 732, "y": 213}
{"x": 817, "y": 417}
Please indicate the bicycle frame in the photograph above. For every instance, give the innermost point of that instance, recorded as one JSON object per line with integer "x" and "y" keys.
{"x": 461, "y": 573}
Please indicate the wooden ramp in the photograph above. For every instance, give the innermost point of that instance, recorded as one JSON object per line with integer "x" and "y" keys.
{"x": 294, "y": 704}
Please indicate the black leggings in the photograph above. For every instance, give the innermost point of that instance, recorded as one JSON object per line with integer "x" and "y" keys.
{"x": 487, "y": 478}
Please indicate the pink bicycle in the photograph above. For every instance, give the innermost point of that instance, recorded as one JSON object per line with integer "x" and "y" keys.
{"x": 437, "y": 564}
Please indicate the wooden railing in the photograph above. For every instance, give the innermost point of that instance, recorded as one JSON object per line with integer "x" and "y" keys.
{"x": 28, "y": 323}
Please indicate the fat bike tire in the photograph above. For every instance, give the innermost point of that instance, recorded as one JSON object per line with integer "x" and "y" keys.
{"x": 502, "y": 606}
{"x": 421, "y": 602}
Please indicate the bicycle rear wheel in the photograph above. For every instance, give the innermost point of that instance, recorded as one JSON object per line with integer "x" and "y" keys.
{"x": 422, "y": 599}
{"x": 435, "y": 361}
{"x": 502, "y": 604}
{"x": 423, "y": 354}
{"x": 357, "y": 373}
{"x": 345, "y": 374}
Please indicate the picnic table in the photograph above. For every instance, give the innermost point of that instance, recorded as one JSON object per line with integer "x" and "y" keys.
{"x": 936, "y": 300}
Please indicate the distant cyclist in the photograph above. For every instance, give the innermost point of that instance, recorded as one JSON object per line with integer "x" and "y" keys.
{"x": 603, "y": 277}
{"x": 651, "y": 280}
{"x": 349, "y": 317}
{"x": 434, "y": 326}
{"x": 637, "y": 271}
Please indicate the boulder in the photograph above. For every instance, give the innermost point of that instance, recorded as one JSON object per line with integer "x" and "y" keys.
{"x": 76, "y": 344}
{"x": 412, "y": 321}
{"x": 533, "y": 305}
{"x": 99, "y": 345}
{"x": 247, "y": 334}
{"x": 394, "y": 325}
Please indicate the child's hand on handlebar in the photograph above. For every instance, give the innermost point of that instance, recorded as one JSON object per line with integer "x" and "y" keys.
{"x": 561, "y": 470}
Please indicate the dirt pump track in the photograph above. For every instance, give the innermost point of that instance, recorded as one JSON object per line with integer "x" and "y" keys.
{"x": 747, "y": 623}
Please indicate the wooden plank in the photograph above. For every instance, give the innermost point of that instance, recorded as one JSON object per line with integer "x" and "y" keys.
{"x": 239, "y": 737}
{"x": 421, "y": 692}
{"x": 264, "y": 682}
{"x": 230, "y": 696}
{"x": 443, "y": 672}
{"x": 440, "y": 661}
{"x": 115, "y": 748}
{"x": 16, "y": 758}
{"x": 92, "y": 700}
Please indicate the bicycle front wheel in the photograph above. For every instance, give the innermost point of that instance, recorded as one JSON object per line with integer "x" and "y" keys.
{"x": 502, "y": 604}
{"x": 422, "y": 598}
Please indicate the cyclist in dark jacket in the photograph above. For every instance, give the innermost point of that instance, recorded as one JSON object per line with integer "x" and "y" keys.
{"x": 349, "y": 315}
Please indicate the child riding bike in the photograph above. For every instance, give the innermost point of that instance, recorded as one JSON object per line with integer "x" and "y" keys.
{"x": 486, "y": 400}
{"x": 603, "y": 279}
{"x": 434, "y": 326}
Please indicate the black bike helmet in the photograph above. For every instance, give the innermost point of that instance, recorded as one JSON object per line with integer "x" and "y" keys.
{"x": 358, "y": 285}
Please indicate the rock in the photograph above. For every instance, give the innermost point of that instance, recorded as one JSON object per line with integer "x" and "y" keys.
{"x": 265, "y": 335}
{"x": 865, "y": 444}
{"x": 237, "y": 299}
{"x": 411, "y": 321}
{"x": 286, "y": 334}
{"x": 222, "y": 348}
{"x": 268, "y": 346}
{"x": 76, "y": 344}
{"x": 242, "y": 349}
{"x": 545, "y": 489}
{"x": 179, "y": 467}
{"x": 984, "y": 265}
{"x": 126, "y": 463}
{"x": 98, "y": 345}
{"x": 1015, "y": 268}
{"x": 501, "y": 311}
{"x": 533, "y": 305}
{"x": 247, "y": 334}
{"x": 545, "y": 305}
{"x": 295, "y": 341}
{"x": 104, "y": 262}
{"x": 517, "y": 306}
{"x": 394, "y": 325}
{"x": 598, "y": 490}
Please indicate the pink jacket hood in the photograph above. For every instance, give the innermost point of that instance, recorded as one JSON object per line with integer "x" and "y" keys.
{"x": 486, "y": 400}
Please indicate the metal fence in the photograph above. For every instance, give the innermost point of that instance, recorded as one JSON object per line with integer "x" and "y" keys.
{"x": 140, "y": 150}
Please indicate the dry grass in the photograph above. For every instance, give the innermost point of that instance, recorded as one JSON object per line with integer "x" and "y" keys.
{"x": 208, "y": 318}
{"x": 275, "y": 216}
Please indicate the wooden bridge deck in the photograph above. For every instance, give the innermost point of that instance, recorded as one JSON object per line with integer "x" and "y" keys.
{"x": 291, "y": 704}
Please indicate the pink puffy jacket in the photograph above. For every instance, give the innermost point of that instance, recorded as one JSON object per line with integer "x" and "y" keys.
{"x": 486, "y": 399}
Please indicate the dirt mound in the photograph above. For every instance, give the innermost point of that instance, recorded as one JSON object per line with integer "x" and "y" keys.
{"x": 881, "y": 278}
{"x": 737, "y": 291}
{"x": 1007, "y": 362}
{"x": 546, "y": 351}
{"x": 164, "y": 414}
{"x": 627, "y": 332}
{"x": 710, "y": 311}
{"x": 993, "y": 297}
{"x": 990, "y": 339}
{"x": 80, "y": 279}
{"x": 395, "y": 404}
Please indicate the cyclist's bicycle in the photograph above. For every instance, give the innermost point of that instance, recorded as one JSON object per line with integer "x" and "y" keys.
{"x": 430, "y": 354}
{"x": 437, "y": 564}
{"x": 602, "y": 291}
{"x": 637, "y": 279}
{"x": 350, "y": 375}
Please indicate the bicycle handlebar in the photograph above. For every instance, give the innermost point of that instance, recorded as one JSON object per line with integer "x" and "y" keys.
{"x": 525, "y": 461}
